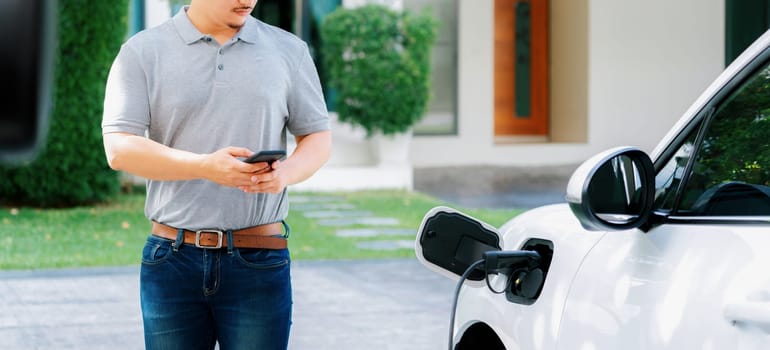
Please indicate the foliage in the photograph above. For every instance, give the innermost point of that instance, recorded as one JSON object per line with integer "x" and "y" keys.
{"x": 378, "y": 59}
{"x": 736, "y": 148}
{"x": 71, "y": 168}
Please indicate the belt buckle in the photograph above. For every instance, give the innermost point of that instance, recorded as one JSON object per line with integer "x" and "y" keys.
{"x": 198, "y": 239}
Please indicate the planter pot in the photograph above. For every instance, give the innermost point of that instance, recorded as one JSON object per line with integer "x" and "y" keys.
{"x": 392, "y": 150}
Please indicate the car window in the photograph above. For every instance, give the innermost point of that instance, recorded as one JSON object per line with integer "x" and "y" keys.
{"x": 671, "y": 174}
{"x": 731, "y": 173}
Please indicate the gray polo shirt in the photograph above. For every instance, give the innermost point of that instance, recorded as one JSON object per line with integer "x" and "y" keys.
{"x": 180, "y": 88}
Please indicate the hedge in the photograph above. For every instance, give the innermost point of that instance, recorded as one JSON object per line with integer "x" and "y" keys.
{"x": 71, "y": 168}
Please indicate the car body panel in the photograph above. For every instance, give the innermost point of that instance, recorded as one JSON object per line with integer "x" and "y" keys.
{"x": 477, "y": 303}
{"x": 665, "y": 289}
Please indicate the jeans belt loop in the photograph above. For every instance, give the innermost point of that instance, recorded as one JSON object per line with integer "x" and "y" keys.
{"x": 230, "y": 245}
{"x": 179, "y": 240}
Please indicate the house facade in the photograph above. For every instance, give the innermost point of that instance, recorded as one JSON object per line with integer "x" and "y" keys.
{"x": 543, "y": 83}
{"x": 619, "y": 73}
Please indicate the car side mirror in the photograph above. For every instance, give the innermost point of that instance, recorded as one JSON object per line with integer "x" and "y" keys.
{"x": 613, "y": 190}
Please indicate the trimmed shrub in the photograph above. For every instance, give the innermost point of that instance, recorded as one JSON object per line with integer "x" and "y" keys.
{"x": 378, "y": 59}
{"x": 71, "y": 168}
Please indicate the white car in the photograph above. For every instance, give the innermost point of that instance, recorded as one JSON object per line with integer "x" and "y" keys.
{"x": 666, "y": 251}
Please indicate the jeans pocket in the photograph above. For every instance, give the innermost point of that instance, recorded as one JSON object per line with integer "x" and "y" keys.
{"x": 156, "y": 250}
{"x": 262, "y": 258}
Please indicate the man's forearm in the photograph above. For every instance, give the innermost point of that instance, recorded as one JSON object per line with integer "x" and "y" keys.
{"x": 143, "y": 157}
{"x": 312, "y": 152}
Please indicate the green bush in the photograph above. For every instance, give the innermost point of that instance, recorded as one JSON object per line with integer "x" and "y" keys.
{"x": 71, "y": 168}
{"x": 378, "y": 59}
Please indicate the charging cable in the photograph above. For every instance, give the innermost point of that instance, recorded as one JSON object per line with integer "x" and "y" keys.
{"x": 457, "y": 293}
{"x": 494, "y": 262}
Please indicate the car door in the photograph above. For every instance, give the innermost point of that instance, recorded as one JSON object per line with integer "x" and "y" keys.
{"x": 695, "y": 277}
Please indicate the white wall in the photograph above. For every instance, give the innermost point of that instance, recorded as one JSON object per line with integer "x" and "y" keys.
{"x": 647, "y": 62}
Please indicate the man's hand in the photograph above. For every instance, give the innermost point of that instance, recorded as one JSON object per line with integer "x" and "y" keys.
{"x": 223, "y": 167}
{"x": 312, "y": 151}
{"x": 269, "y": 179}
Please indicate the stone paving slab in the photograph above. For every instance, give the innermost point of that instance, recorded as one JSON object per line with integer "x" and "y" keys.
{"x": 368, "y": 221}
{"x": 307, "y": 206}
{"x": 373, "y": 232}
{"x": 337, "y": 217}
{"x": 296, "y": 199}
{"x": 386, "y": 244}
{"x": 351, "y": 304}
{"x": 336, "y": 214}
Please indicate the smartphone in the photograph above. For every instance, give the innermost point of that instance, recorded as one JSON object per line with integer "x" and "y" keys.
{"x": 266, "y": 156}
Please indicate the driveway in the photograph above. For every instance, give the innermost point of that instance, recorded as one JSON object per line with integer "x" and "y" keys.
{"x": 367, "y": 304}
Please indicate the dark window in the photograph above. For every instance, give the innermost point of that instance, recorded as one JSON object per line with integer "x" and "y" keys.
{"x": 24, "y": 30}
{"x": 279, "y": 13}
{"x": 441, "y": 115}
{"x": 731, "y": 171}
{"x": 745, "y": 21}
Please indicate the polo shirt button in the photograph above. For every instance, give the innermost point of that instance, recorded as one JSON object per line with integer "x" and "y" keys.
{"x": 220, "y": 51}
{"x": 208, "y": 39}
{"x": 220, "y": 67}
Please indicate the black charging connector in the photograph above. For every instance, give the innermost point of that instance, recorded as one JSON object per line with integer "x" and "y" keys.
{"x": 494, "y": 262}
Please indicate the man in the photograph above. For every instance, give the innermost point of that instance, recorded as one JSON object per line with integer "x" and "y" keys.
{"x": 185, "y": 103}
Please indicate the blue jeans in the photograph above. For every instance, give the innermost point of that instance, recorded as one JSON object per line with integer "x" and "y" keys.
{"x": 193, "y": 298}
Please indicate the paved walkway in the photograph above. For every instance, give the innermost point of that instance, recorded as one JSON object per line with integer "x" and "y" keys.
{"x": 373, "y": 304}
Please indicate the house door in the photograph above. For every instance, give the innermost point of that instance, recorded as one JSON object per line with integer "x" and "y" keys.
{"x": 521, "y": 68}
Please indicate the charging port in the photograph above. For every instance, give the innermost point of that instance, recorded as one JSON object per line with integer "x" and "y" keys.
{"x": 527, "y": 283}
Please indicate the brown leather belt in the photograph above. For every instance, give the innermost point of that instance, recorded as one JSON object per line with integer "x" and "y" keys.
{"x": 251, "y": 237}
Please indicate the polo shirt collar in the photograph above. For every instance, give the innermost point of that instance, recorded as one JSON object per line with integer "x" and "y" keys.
{"x": 248, "y": 32}
{"x": 186, "y": 29}
{"x": 190, "y": 34}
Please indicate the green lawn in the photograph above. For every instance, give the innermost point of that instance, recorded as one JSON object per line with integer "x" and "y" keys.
{"x": 114, "y": 233}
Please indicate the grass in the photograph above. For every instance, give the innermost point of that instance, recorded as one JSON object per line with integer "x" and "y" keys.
{"x": 114, "y": 233}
